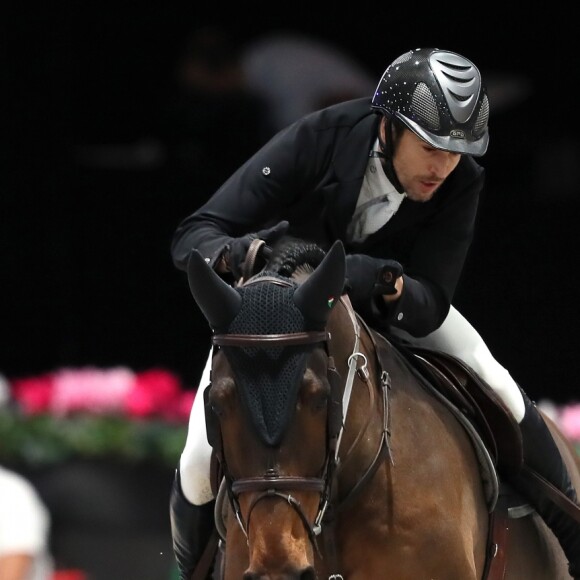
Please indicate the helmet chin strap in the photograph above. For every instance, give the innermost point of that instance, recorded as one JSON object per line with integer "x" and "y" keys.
{"x": 386, "y": 155}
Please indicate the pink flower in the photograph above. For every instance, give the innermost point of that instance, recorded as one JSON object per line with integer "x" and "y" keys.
{"x": 91, "y": 390}
{"x": 184, "y": 407}
{"x": 118, "y": 390}
{"x": 154, "y": 393}
{"x": 33, "y": 394}
{"x": 570, "y": 421}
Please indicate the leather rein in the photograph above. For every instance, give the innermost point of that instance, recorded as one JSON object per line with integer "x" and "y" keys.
{"x": 273, "y": 484}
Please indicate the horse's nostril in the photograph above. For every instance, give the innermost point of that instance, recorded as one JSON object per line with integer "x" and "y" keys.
{"x": 308, "y": 574}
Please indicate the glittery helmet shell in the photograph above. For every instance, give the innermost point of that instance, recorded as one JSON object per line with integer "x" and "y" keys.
{"x": 439, "y": 96}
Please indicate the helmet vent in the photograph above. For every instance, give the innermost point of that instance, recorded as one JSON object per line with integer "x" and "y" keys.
{"x": 458, "y": 97}
{"x": 460, "y": 82}
{"x": 482, "y": 117}
{"x": 424, "y": 107}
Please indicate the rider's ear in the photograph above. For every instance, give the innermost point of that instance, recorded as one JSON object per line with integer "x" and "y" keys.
{"x": 383, "y": 129}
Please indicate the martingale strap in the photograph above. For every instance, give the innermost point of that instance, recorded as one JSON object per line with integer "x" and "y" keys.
{"x": 352, "y": 368}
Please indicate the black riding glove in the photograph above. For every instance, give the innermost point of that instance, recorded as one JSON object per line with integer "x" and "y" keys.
{"x": 238, "y": 248}
{"x": 368, "y": 277}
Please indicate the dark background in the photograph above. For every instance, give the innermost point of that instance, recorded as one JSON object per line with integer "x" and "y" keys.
{"x": 91, "y": 194}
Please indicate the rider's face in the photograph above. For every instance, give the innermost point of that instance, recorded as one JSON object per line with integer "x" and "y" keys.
{"x": 421, "y": 168}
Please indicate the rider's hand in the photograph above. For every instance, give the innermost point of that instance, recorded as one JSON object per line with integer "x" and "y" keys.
{"x": 367, "y": 277}
{"x": 237, "y": 249}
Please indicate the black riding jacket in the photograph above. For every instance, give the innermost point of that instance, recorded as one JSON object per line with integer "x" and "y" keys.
{"x": 311, "y": 175}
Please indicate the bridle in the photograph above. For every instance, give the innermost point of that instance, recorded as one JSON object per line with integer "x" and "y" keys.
{"x": 271, "y": 483}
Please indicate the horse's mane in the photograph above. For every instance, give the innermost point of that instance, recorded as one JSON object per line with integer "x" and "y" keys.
{"x": 293, "y": 256}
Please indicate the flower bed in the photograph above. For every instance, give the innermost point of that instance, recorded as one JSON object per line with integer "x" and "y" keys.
{"x": 94, "y": 413}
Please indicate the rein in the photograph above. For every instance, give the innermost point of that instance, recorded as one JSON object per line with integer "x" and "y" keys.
{"x": 272, "y": 484}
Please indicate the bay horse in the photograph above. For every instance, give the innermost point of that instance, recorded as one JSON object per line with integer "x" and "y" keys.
{"x": 335, "y": 460}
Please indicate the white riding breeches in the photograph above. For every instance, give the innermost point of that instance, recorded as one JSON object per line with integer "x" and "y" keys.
{"x": 194, "y": 465}
{"x": 458, "y": 338}
{"x": 455, "y": 336}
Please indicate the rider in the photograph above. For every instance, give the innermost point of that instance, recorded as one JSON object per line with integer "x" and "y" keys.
{"x": 394, "y": 178}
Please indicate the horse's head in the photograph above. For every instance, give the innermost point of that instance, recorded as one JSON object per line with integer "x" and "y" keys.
{"x": 273, "y": 410}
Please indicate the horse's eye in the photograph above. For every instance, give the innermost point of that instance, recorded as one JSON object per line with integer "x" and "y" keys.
{"x": 216, "y": 403}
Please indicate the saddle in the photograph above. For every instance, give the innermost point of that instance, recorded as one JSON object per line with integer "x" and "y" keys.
{"x": 477, "y": 401}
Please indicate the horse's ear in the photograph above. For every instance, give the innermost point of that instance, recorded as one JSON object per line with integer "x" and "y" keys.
{"x": 322, "y": 289}
{"x": 217, "y": 300}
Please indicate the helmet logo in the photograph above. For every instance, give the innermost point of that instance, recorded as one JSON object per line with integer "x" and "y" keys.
{"x": 457, "y": 133}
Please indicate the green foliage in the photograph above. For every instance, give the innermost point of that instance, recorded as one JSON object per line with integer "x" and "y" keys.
{"x": 38, "y": 440}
